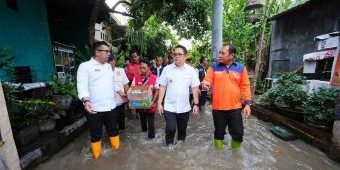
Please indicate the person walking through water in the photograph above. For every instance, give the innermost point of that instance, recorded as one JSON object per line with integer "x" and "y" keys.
{"x": 174, "y": 82}
{"x": 230, "y": 84}
{"x": 96, "y": 91}
{"x": 147, "y": 116}
{"x": 122, "y": 82}
{"x": 201, "y": 68}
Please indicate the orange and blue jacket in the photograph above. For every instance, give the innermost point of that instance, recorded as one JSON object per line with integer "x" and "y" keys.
{"x": 230, "y": 86}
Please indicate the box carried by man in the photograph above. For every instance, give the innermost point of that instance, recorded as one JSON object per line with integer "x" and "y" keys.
{"x": 140, "y": 97}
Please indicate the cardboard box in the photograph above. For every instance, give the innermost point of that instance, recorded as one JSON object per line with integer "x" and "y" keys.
{"x": 140, "y": 97}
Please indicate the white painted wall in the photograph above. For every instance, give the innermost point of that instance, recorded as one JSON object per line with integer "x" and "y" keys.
{"x": 102, "y": 35}
{"x": 8, "y": 151}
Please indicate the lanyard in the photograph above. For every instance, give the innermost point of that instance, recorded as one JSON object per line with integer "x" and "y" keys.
{"x": 145, "y": 80}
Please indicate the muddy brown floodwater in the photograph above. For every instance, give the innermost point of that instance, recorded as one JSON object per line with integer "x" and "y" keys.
{"x": 260, "y": 150}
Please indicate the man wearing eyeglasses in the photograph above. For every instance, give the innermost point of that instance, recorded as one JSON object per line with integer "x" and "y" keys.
{"x": 174, "y": 82}
{"x": 230, "y": 83}
{"x": 96, "y": 90}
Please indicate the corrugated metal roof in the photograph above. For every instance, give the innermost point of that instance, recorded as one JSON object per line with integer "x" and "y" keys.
{"x": 294, "y": 9}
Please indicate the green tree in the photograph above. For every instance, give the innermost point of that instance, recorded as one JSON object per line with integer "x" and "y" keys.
{"x": 153, "y": 39}
{"x": 201, "y": 48}
{"x": 189, "y": 17}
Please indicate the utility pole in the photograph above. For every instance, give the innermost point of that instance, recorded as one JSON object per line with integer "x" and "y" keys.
{"x": 217, "y": 27}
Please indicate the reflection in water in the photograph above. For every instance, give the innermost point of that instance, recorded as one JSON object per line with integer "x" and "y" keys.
{"x": 260, "y": 150}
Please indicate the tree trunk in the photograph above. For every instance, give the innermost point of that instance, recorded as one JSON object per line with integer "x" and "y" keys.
{"x": 98, "y": 6}
{"x": 259, "y": 58}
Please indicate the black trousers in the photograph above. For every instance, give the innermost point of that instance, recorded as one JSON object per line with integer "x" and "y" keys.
{"x": 121, "y": 116}
{"x": 147, "y": 121}
{"x": 173, "y": 120}
{"x": 230, "y": 118}
{"x": 191, "y": 98}
{"x": 96, "y": 122}
{"x": 203, "y": 98}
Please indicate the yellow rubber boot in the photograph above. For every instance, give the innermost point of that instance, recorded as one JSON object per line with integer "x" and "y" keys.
{"x": 115, "y": 142}
{"x": 96, "y": 147}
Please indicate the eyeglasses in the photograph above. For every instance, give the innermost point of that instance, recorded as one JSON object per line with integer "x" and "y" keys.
{"x": 177, "y": 55}
{"x": 107, "y": 51}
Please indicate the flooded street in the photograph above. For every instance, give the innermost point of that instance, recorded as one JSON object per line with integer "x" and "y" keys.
{"x": 260, "y": 150}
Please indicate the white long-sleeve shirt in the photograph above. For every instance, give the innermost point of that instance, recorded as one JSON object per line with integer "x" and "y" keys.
{"x": 119, "y": 80}
{"x": 95, "y": 80}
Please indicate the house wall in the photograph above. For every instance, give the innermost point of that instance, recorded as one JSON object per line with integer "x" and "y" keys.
{"x": 293, "y": 34}
{"x": 8, "y": 151}
{"x": 102, "y": 35}
{"x": 69, "y": 24}
{"x": 27, "y": 32}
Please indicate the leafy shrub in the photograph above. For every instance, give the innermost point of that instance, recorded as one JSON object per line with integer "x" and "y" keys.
{"x": 67, "y": 86}
{"x": 320, "y": 105}
{"x": 288, "y": 92}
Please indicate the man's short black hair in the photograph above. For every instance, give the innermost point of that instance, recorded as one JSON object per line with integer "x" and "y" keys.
{"x": 97, "y": 45}
{"x": 146, "y": 61}
{"x": 232, "y": 48}
{"x": 202, "y": 59}
{"x": 183, "y": 48}
{"x": 134, "y": 51}
{"x": 188, "y": 60}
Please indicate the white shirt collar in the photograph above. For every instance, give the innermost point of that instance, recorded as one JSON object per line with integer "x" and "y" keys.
{"x": 185, "y": 66}
{"x": 95, "y": 62}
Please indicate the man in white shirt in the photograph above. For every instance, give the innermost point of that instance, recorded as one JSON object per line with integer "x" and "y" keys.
{"x": 96, "y": 90}
{"x": 121, "y": 82}
{"x": 175, "y": 79}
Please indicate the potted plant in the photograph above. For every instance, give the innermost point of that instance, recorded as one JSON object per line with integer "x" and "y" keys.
{"x": 319, "y": 108}
{"x": 64, "y": 90}
{"x": 45, "y": 112}
{"x": 25, "y": 131}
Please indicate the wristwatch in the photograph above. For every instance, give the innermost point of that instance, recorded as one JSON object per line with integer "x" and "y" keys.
{"x": 196, "y": 104}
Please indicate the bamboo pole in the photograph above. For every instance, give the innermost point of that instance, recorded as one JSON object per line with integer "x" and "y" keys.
{"x": 259, "y": 58}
